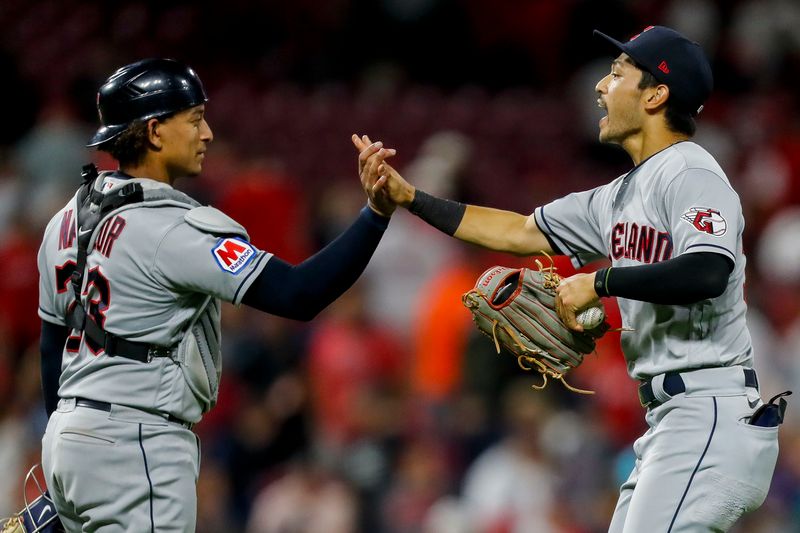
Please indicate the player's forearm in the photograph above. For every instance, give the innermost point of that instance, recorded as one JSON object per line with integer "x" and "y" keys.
{"x": 301, "y": 291}
{"x": 503, "y": 231}
{"x": 683, "y": 280}
{"x": 495, "y": 229}
{"x": 51, "y": 346}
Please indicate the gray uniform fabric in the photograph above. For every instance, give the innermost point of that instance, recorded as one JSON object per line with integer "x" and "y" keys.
{"x": 700, "y": 465}
{"x": 126, "y": 470}
{"x": 156, "y": 272}
{"x": 648, "y": 215}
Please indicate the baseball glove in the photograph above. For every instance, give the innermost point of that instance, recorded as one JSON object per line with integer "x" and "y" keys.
{"x": 516, "y": 308}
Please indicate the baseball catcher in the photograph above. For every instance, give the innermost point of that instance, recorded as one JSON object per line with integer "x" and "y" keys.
{"x": 516, "y": 309}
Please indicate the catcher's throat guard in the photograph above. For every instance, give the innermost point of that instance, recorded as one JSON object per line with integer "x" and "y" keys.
{"x": 516, "y": 309}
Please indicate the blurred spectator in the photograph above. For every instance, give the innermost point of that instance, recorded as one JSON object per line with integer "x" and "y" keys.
{"x": 306, "y": 499}
{"x": 278, "y": 227}
{"x": 420, "y": 479}
{"x": 398, "y": 271}
{"x": 19, "y": 285}
{"x": 349, "y": 360}
{"x": 510, "y": 487}
{"x": 53, "y": 153}
{"x": 356, "y": 373}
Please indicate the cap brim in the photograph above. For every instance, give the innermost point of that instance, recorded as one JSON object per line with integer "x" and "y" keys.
{"x": 615, "y": 45}
{"x": 106, "y": 133}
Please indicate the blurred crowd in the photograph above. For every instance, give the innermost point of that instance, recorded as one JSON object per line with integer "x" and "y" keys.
{"x": 389, "y": 412}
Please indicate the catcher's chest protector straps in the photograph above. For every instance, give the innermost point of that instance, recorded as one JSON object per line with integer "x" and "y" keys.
{"x": 94, "y": 206}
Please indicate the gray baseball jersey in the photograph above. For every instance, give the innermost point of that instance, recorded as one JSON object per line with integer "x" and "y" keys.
{"x": 156, "y": 270}
{"x": 676, "y": 202}
{"x": 700, "y": 465}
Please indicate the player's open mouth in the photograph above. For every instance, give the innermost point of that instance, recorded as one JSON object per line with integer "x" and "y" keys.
{"x": 602, "y": 105}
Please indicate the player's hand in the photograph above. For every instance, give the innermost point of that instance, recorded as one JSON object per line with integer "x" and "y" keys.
{"x": 371, "y": 156}
{"x": 573, "y": 295}
{"x": 395, "y": 186}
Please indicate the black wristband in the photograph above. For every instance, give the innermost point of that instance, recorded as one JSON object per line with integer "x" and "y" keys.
{"x": 444, "y": 215}
{"x": 601, "y": 282}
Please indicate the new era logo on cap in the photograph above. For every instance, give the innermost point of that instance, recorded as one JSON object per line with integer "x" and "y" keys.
{"x": 232, "y": 254}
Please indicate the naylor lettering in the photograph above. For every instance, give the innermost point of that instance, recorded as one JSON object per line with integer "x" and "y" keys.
{"x": 66, "y": 237}
{"x": 233, "y": 254}
{"x": 643, "y": 244}
{"x": 108, "y": 234}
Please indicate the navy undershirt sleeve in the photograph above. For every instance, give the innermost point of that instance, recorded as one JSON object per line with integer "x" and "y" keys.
{"x": 301, "y": 291}
{"x": 51, "y": 347}
{"x": 686, "y": 279}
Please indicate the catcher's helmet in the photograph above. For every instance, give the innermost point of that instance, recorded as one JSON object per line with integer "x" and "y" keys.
{"x": 143, "y": 90}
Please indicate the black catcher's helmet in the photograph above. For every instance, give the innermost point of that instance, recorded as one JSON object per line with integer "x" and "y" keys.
{"x": 143, "y": 90}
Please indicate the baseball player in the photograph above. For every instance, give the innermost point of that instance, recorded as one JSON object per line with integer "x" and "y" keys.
{"x": 131, "y": 277}
{"x": 672, "y": 228}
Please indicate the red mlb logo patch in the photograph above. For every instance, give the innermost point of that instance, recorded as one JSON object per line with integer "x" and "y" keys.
{"x": 233, "y": 254}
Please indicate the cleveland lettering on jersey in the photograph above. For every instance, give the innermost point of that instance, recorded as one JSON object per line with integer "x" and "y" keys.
{"x": 643, "y": 243}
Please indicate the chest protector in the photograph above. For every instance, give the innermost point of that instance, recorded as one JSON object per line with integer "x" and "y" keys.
{"x": 198, "y": 352}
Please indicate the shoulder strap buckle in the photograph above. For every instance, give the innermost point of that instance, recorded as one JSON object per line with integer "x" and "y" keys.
{"x": 89, "y": 172}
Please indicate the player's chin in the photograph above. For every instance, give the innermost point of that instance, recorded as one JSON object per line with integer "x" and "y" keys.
{"x": 194, "y": 170}
{"x": 608, "y": 136}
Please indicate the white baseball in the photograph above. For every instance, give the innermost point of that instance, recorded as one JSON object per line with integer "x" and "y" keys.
{"x": 591, "y": 318}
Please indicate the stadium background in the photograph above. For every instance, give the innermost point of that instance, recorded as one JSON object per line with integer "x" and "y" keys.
{"x": 388, "y": 413}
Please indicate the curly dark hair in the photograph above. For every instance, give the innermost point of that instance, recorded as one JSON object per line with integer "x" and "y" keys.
{"x": 130, "y": 146}
{"x": 678, "y": 120}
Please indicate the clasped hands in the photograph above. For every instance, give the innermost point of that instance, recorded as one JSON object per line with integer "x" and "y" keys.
{"x": 387, "y": 189}
{"x": 384, "y": 186}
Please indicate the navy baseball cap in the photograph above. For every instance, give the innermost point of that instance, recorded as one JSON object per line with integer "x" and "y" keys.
{"x": 673, "y": 60}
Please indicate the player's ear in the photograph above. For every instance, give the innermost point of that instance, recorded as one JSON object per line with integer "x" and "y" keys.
{"x": 654, "y": 97}
{"x": 153, "y": 134}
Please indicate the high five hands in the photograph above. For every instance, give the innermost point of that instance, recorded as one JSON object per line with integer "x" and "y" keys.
{"x": 384, "y": 186}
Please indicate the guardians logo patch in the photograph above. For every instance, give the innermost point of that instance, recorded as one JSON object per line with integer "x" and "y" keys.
{"x": 707, "y": 220}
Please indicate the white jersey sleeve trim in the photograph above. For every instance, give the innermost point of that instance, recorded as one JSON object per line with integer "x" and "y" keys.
{"x": 44, "y": 315}
{"x": 544, "y": 227}
{"x": 261, "y": 262}
{"x": 211, "y": 220}
{"x": 708, "y": 247}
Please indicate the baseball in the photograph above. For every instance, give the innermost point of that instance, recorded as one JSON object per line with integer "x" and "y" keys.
{"x": 591, "y": 318}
